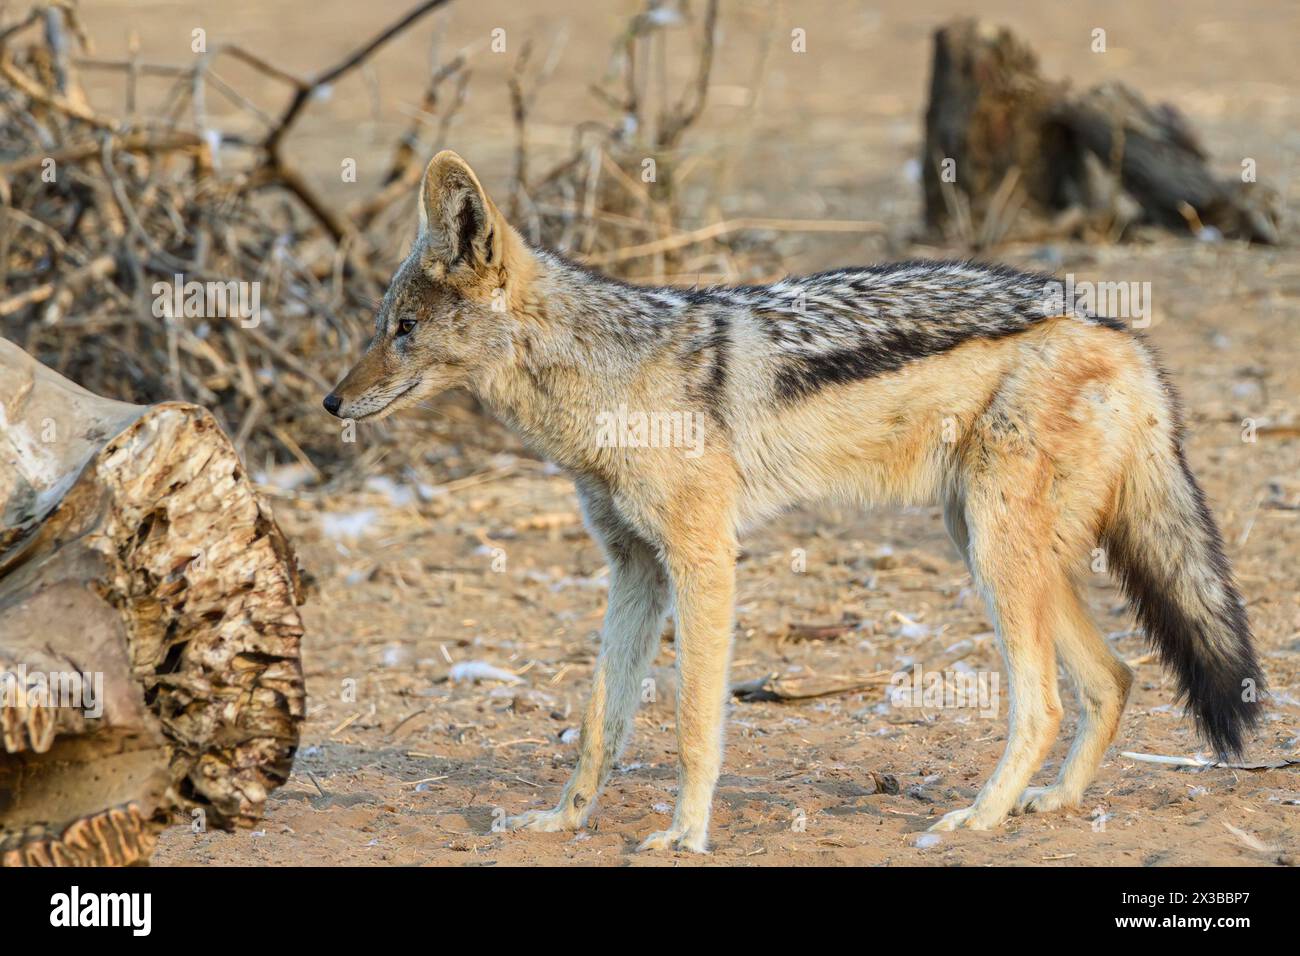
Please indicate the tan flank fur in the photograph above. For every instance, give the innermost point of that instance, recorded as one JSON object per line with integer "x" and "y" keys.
{"x": 1043, "y": 433}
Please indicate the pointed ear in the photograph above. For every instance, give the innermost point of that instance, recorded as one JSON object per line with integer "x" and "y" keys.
{"x": 458, "y": 223}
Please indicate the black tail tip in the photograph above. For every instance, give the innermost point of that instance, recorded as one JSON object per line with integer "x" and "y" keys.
{"x": 1227, "y": 714}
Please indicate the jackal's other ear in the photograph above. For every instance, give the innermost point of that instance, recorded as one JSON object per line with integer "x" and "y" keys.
{"x": 458, "y": 222}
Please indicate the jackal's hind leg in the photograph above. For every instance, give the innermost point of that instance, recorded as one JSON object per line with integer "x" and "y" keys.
{"x": 1013, "y": 566}
{"x": 1101, "y": 682}
{"x": 634, "y": 619}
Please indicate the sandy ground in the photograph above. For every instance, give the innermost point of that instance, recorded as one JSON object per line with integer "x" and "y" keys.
{"x": 399, "y": 765}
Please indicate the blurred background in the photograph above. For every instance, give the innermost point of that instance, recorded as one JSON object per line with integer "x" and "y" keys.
{"x": 808, "y": 116}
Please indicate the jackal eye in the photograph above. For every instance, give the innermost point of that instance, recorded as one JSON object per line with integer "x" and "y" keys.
{"x": 405, "y": 327}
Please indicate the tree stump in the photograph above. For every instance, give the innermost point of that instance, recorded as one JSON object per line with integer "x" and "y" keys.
{"x": 149, "y": 632}
{"x": 985, "y": 136}
{"x": 1009, "y": 153}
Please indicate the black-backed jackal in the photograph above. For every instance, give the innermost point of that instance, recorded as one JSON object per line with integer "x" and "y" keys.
{"x": 1041, "y": 432}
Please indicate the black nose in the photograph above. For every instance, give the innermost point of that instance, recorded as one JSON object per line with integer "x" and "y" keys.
{"x": 332, "y": 403}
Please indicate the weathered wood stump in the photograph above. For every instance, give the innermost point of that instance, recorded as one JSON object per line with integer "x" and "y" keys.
{"x": 984, "y": 129}
{"x": 149, "y": 632}
{"x": 1010, "y": 153}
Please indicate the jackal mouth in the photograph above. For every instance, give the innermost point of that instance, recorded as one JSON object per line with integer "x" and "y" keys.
{"x": 389, "y": 407}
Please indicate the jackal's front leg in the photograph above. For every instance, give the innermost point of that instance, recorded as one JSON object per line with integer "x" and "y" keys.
{"x": 702, "y": 566}
{"x": 634, "y": 619}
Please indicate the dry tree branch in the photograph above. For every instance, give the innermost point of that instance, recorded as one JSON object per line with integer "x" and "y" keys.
{"x": 274, "y": 170}
{"x": 34, "y": 91}
{"x": 671, "y": 127}
{"x": 519, "y": 117}
{"x": 406, "y": 166}
{"x": 351, "y": 61}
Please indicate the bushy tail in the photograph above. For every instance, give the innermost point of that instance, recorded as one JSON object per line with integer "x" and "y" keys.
{"x": 1169, "y": 555}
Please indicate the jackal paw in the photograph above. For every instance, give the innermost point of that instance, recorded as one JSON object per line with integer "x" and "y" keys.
{"x": 696, "y": 841}
{"x": 969, "y": 818}
{"x": 1044, "y": 800}
{"x": 543, "y": 821}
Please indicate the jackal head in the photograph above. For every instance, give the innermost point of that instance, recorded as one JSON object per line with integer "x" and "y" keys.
{"x": 445, "y": 319}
